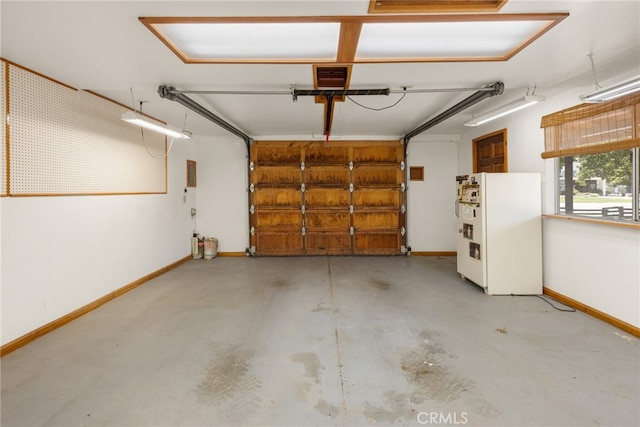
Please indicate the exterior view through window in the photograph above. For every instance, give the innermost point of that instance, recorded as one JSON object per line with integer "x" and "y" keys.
{"x": 602, "y": 186}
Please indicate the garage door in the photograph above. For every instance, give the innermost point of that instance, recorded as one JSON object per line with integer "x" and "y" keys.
{"x": 340, "y": 198}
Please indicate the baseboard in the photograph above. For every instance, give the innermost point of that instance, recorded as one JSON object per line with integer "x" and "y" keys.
{"x": 620, "y": 324}
{"x": 440, "y": 253}
{"x": 58, "y": 323}
{"x": 232, "y": 254}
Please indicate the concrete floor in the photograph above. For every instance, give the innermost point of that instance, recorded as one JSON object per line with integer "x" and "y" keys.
{"x": 344, "y": 341}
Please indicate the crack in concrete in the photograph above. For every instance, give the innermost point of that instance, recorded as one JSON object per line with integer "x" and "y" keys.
{"x": 343, "y": 412}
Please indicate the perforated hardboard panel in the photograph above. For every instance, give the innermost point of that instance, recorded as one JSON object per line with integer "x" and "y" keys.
{"x": 66, "y": 141}
{"x": 3, "y": 128}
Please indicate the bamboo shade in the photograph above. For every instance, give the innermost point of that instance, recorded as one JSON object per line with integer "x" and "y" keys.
{"x": 593, "y": 128}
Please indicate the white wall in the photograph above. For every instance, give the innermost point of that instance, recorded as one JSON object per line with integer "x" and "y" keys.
{"x": 61, "y": 253}
{"x": 431, "y": 222}
{"x": 595, "y": 264}
{"x": 222, "y": 193}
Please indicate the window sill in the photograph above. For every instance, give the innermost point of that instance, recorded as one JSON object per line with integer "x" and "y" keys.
{"x": 635, "y": 225}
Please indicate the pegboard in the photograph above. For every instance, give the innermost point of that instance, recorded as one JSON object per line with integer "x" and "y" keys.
{"x": 3, "y": 128}
{"x": 65, "y": 141}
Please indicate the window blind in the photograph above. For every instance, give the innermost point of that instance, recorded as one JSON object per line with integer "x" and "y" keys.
{"x": 593, "y": 128}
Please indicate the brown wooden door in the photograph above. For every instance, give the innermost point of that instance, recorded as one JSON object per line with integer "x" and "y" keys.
{"x": 341, "y": 198}
{"x": 490, "y": 152}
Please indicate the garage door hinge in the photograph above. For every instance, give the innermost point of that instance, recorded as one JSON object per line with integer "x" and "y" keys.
{"x": 252, "y": 187}
{"x": 252, "y": 209}
{"x": 303, "y": 209}
{"x": 403, "y": 231}
{"x": 304, "y": 231}
{"x": 403, "y": 209}
{"x": 350, "y": 166}
{"x": 351, "y": 209}
{"x": 403, "y": 187}
{"x": 352, "y": 231}
{"x": 253, "y": 231}
{"x": 402, "y": 165}
{"x": 302, "y": 187}
{"x": 251, "y": 166}
{"x": 302, "y": 166}
{"x": 351, "y": 187}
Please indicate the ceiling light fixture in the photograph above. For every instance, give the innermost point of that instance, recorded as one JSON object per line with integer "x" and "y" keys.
{"x": 136, "y": 119}
{"x": 518, "y": 104}
{"x": 613, "y": 92}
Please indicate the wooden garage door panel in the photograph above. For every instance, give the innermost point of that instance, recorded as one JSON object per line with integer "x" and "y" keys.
{"x": 316, "y": 219}
{"x": 327, "y": 220}
{"x": 274, "y": 154}
{"x": 334, "y": 243}
{"x": 277, "y": 243}
{"x": 327, "y": 198}
{"x": 378, "y": 154}
{"x": 387, "y": 175}
{"x": 327, "y": 176}
{"x": 278, "y": 219}
{"x": 384, "y": 219}
{"x": 277, "y": 197}
{"x": 377, "y": 243}
{"x": 277, "y": 175}
{"x": 377, "y": 198}
{"x": 319, "y": 154}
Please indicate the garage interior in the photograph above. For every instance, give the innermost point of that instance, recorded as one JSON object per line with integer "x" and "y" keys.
{"x": 320, "y": 143}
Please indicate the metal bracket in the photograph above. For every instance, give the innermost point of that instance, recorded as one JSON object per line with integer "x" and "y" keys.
{"x": 350, "y": 166}
{"x": 251, "y": 166}
{"x": 252, "y": 187}
{"x": 302, "y": 166}
{"x": 352, "y": 231}
{"x": 252, "y": 209}
{"x": 302, "y": 187}
{"x": 252, "y": 231}
{"x": 351, "y": 187}
{"x": 402, "y": 165}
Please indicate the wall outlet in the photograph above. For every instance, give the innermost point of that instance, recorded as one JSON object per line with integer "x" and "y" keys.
{"x": 193, "y": 212}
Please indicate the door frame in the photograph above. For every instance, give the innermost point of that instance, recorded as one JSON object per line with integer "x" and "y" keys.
{"x": 476, "y": 141}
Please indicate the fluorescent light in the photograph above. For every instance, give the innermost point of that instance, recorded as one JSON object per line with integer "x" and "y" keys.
{"x": 613, "y": 92}
{"x": 133, "y": 118}
{"x": 509, "y": 108}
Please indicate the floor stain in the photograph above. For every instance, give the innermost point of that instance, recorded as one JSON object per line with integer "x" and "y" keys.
{"x": 395, "y": 407}
{"x": 425, "y": 368}
{"x": 501, "y": 330}
{"x": 280, "y": 283}
{"x": 228, "y": 382}
{"x": 327, "y": 409}
{"x": 381, "y": 284}
{"x": 311, "y": 363}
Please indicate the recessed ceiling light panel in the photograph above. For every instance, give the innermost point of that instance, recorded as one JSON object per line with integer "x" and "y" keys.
{"x": 257, "y": 41}
{"x": 463, "y": 40}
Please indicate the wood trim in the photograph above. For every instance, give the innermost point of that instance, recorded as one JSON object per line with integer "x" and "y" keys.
{"x": 232, "y": 254}
{"x": 349, "y": 37}
{"x": 424, "y": 6}
{"x": 7, "y": 131}
{"x": 635, "y": 225}
{"x": 350, "y": 30}
{"x": 434, "y": 253}
{"x": 58, "y": 323}
{"x": 83, "y": 194}
{"x": 620, "y": 324}
{"x": 38, "y": 74}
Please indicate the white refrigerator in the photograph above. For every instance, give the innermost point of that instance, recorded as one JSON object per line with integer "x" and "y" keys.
{"x": 499, "y": 233}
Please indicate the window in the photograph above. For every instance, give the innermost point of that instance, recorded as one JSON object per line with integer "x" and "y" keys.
{"x": 598, "y": 185}
{"x": 597, "y": 147}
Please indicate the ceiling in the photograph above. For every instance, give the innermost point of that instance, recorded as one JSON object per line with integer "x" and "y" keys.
{"x": 102, "y": 46}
